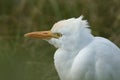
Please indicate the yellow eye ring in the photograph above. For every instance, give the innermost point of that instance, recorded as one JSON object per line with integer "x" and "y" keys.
{"x": 57, "y": 35}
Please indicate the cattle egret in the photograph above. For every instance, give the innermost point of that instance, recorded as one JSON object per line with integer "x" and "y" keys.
{"x": 79, "y": 54}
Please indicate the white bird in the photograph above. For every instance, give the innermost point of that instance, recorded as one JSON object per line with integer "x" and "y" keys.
{"x": 79, "y": 54}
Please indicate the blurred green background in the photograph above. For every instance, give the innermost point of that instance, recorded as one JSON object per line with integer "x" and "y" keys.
{"x": 32, "y": 59}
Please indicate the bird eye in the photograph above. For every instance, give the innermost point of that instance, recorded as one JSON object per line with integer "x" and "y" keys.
{"x": 58, "y": 34}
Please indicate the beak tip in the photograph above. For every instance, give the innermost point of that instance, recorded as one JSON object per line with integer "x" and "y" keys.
{"x": 25, "y": 35}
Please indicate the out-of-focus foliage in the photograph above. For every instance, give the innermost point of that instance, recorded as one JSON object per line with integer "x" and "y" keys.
{"x": 32, "y": 59}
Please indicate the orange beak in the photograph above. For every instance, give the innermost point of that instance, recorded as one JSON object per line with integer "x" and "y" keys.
{"x": 41, "y": 35}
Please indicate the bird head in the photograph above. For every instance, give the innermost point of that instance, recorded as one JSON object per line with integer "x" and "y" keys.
{"x": 64, "y": 33}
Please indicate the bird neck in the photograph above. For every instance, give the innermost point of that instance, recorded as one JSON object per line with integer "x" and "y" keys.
{"x": 83, "y": 41}
{"x": 64, "y": 57}
{"x": 78, "y": 43}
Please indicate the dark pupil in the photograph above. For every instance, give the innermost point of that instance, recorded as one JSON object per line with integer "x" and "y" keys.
{"x": 58, "y": 34}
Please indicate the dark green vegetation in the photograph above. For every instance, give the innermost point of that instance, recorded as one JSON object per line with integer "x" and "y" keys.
{"x": 32, "y": 59}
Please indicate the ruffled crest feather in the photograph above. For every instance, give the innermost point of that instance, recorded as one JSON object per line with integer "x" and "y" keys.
{"x": 83, "y": 22}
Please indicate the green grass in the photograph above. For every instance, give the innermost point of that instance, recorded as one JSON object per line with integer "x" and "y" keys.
{"x": 26, "y": 60}
{"x": 32, "y": 59}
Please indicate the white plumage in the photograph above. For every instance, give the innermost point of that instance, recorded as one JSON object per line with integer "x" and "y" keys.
{"x": 80, "y": 55}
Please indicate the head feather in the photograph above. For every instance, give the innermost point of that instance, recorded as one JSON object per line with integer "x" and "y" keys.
{"x": 83, "y": 23}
